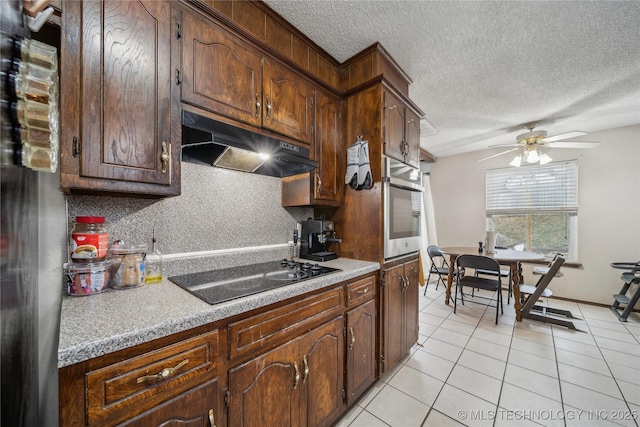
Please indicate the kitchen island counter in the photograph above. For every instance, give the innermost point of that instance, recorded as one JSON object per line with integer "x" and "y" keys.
{"x": 117, "y": 319}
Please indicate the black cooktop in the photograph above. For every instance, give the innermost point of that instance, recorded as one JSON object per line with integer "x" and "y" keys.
{"x": 218, "y": 286}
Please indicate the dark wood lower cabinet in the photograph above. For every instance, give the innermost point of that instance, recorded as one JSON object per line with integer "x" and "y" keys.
{"x": 399, "y": 309}
{"x": 361, "y": 349}
{"x": 297, "y": 363}
{"x": 263, "y": 392}
{"x": 323, "y": 371}
{"x": 296, "y": 384}
{"x": 194, "y": 408}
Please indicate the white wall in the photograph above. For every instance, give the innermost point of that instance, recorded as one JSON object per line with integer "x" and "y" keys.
{"x": 608, "y": 215}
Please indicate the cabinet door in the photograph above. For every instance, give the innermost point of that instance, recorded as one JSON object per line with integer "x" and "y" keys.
{"x": 322, "y": 352}
{"x": 195, "y": 408}
{"x": 412, "y": 136}
{"x": 394, "y": 124}
{"x": 288, "y": 103}
{"x": 361, "y": 348}
{"x": 220, "y": 72}
{"x": 411, "y": 305}
{"x": 126, "y": 91}
{"x": 393, "y": 321}
{"x": 327, "y": 177}
{"x": 265, "y": 390}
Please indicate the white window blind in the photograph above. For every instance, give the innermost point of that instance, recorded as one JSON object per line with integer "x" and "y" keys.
{"x": 533, "y": 189}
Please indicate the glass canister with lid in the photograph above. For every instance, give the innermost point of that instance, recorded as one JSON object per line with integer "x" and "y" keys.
{"x": 89, "y": 278}
{"x": 89, "y": 239}
{"x": 132, "y": 270}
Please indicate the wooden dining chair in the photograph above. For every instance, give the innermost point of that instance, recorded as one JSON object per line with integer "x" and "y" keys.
{"x": 481, "y": 262}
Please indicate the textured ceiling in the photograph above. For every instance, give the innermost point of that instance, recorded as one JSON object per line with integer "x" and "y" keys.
{"x": 482, "y": 69}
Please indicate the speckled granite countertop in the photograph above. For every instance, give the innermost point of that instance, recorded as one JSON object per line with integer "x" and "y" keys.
{"x": 100, "y": 324}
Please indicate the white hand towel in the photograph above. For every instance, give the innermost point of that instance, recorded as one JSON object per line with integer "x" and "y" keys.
{"x": 353, "y": 163}
{"x": 364, "y": 170}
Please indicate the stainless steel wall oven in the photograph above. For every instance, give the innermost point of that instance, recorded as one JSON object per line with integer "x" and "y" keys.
{"x": 403, "y": 208}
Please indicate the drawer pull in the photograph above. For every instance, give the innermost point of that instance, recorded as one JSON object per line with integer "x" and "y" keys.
{"x": 165, "y": 373}
{"x": 268, "y": 108}
{"x": 164, "y": 157}
{"x": 363, "y": 291}
{"x": 306, "y": 368}
{"x": 296, "y": 378}
{"x": 212, "y": 420}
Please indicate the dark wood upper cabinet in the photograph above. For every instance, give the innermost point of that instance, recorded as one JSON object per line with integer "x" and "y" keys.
{"x": 221, "y": 73}
{"x": 226, "y": 75}
{"x": 402, "y": 130}
{"x": 328, "y": 149}
{"x": 322, "y": 186}
{"x": 116, "y": 82}
{"x": 288, "y": 102}
{"x": 412, "y": 136}
{"x": 394, "y": 119}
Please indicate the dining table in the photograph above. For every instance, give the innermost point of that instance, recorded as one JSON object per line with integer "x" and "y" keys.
{"x": 507, "y": 257}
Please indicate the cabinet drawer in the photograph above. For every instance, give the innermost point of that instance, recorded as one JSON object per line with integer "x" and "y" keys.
{"x": 360, "y": 291}
{"x": 130, "y": 384}
{"x": 272, "y": 327}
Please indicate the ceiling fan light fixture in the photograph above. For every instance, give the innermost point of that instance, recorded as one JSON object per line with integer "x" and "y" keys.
{"x": 532, "y": 156}
{"x": 544, "y": 158}
{"x": 531, "y": 136}
{"x": 517, "y": 161}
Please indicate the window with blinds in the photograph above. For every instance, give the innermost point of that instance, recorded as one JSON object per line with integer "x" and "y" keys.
{"x": 535, "y": 207}
{"x": 533, "y": 189}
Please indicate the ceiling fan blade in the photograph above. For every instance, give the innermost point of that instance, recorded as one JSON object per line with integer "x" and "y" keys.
{"x": 499, "y": 154}
{"x": 567, "y": 135}
{"x": 572, "y": 144}
{"x": 505, "y": 145}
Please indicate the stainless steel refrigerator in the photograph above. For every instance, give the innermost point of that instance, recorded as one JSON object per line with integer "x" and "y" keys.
{"x": 32, "y": 248}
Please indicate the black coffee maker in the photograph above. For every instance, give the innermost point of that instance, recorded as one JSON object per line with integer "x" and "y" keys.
{"x": 315, "y": 236}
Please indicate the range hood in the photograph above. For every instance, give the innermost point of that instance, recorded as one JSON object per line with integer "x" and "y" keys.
{"x": 210, "y": 142}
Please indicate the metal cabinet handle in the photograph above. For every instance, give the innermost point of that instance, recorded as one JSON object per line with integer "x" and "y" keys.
{"x": 306, "y": 368}
{"x": 353, "y": 339}
{"x": 363, "y": 291}
{"x": 75, "y": 147}
{"x": 268, "y": 108}
{"x": 319, "y": 183}
{"x": 258, "y": 106}
{"x": 178, "y": 81}
{"x": 296, "y": 378}
{"x": 212, "y": 420}
{"x": 164, "y": 157}
{"x": 164, "y": 374}
{"x": 405, "y": 283}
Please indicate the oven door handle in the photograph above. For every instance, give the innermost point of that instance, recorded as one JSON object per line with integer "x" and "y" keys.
{"x": 399, "y": 183}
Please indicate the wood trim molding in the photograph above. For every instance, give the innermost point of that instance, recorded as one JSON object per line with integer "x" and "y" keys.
{"x": 426, "y": 156}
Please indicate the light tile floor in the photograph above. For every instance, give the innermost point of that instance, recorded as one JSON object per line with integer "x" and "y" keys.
{"x": 466, "y": 370}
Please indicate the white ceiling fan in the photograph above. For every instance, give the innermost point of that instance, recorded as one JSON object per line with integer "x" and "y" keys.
{"x": 533, "y": 143}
